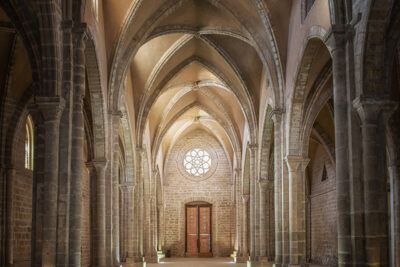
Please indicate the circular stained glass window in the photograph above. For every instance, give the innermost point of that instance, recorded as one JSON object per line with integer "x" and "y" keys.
{"x": 197, "y": 162}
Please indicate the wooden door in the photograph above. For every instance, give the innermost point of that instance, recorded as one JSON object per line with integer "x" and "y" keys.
{"x": 204, "y": 231}
{"x": 191, "y": 231}
{"x": 198, "y": 230}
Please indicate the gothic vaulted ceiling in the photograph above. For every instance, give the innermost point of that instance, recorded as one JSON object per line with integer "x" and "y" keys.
{"x": 195, "y": 64}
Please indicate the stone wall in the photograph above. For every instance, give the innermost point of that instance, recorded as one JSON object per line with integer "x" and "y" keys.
{"x": 180, "y": 188}
{"x": 323, "y": 210}
{"x": 22, "y": 205}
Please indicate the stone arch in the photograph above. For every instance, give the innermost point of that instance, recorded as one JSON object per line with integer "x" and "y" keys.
{"x": 298, "y": 97}
{"x": 371, "y": 48}
{"x": 317, "y": 100}
{"x": 24, "y": 19}
{"x": 20, "y": 112}
{"x": 97, "y": 99}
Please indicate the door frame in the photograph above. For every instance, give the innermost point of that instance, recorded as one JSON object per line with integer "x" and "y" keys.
{"x": 199, "y": 204}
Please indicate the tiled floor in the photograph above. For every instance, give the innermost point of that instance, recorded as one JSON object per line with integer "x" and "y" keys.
{"x": 197, "y": 262}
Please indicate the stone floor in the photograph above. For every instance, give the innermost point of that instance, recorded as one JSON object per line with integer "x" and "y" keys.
{"x": 197, "y": 262}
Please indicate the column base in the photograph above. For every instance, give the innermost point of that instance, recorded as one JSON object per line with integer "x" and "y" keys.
{"x": 151, "y": 259}
{"x": 261, "y": 264}
{"x": 133, "y": 261}
{"x": 241, "y": 258}
{"x": 234, "y": 254}
{"x": 160, "y": 254}
{"x": 134, "y": 264}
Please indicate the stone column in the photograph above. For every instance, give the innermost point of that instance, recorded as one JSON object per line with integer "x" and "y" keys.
{"x": 238, "y": 243}
{"x": 395, "y": 212}
{"x": 51, "y": 109}
{"x": 341, "y": 110}
{"x": 253, "y": 201}
{"x": 10, "y": 172}
{"x": 160, "y": 226}
{"x": 245, "y": 226}
{"x": 78, "y": 135}
{"x": 140, "y": 193}
{"x": 374, "y": 114}
{"x": 277, "y": 118}
{"x": 128, "y": 196}
{"x": 100, "y": 258}
{"x": 151, "y": 250}
{"x": 65, "y": 146}
{"x": 263, "y": 186}
{"x": 116, "y": 117}
{"x": 297, "y": 216}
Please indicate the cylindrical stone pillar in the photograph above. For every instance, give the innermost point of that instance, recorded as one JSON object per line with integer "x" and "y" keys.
{"x": 245, "y": 225}
{"x": 253, "y": 201}
{"x": 100, "y": 259}
{"x": 340, "y": 99}
{"x": 238, "y": 211}
{"x": 77, "y": 160}
{"x": 374, "y": 114}
{"x": 263, "y": 186}
{"x": 297, "y": 216}
{"x": 277, "y": 119}
{"x": 51, "y": 109}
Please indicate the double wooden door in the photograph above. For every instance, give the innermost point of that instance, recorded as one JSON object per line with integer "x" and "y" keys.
{"x": 198, "y": 230}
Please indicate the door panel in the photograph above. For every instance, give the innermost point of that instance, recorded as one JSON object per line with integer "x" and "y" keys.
{"x": 192, "y": 230}
{"x": 205, "y": 233}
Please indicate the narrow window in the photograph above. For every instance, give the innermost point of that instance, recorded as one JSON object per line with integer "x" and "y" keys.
{"x": 324, "y": 174}
{"x": 29, "y": 141}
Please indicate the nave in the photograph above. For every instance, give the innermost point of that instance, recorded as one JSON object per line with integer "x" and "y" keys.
{"x": 223, "y": 132}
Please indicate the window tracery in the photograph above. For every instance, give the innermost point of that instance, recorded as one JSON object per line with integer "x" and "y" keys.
{"x": 197, "y": 162}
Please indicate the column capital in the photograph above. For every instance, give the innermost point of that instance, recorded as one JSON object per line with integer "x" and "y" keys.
{"x": 99, "y": 164}
{"x": 127, "y": 186}
{"x": 139, "y": 149}
{"x": 237, "y": 171}
{"x": 67, "y": 25}
{"x": 245, "y": 198}
{"x": 370, "y": 109}
{"x": 50, "y": 107}
{"x": 118, "y": 114}
{"x": 276, "y": 114}
{"x": 252, "y": 146}
{"x": 296, "y": 163}
{"x": 263, "y": 184}
{"x": 80, "y": 35}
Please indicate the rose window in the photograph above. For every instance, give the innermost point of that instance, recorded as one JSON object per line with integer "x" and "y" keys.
{"x": 197, "y": 162}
